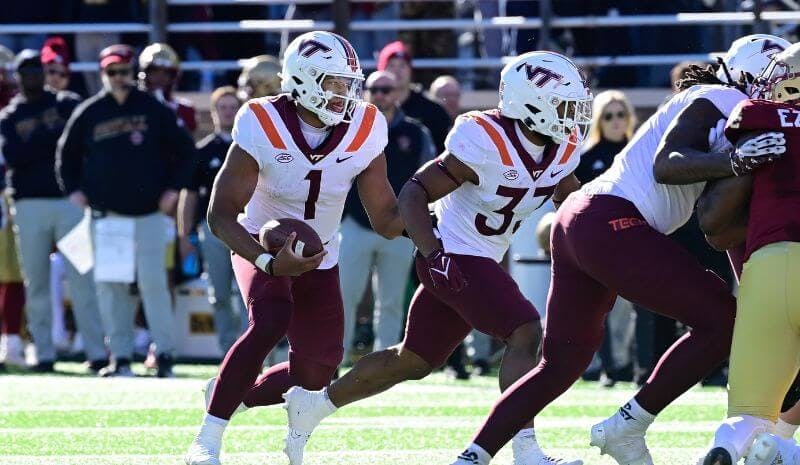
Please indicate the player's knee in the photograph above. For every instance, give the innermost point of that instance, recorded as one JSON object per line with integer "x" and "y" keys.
{"x": 412, "y": 365}
{"x": 526, "y": 338}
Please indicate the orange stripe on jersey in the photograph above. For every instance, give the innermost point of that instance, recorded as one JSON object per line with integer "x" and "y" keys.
{"x": 364, "y": 129}
{"x": 497, "y": 139}
{"x": 572, "y": 144}
{"x": 266, "y": 124}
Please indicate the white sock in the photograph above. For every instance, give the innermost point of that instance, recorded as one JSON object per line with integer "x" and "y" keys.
{"x": 476, "y": 455}
{"x": 785, "y": 430}
{"x": 736, "y": 434}
{"x": 635, "y": 416}
{"x": 331, "y": 408}
{"x": 211, "y": 432}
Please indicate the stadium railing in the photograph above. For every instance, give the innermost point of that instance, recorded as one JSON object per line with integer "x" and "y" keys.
{"x": 503, "y": 22}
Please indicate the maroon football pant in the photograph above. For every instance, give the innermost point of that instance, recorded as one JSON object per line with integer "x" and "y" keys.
{"x": 12, "y": 302}
{"x": 308, "y": 310}
{"x": 438, "y": 320}
{"x": 602, "y": 247}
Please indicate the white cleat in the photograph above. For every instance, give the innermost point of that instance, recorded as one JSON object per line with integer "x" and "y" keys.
{"x": 768, "y": 449}
{"x": 305, "y": 410}
{"x": 208, "y": 390}
{"x": 528, "y": 452}
{"x": 626, "y": 446}
{"x": 12, "y": 351}
{"x": 199, "y": 454}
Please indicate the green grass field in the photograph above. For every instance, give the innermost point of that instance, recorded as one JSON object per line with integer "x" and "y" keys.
{"x": 65, "y": 420}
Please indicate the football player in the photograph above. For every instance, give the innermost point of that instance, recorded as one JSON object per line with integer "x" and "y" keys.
{"x": 294, "y": 155}
{"x": 159, "y": 70}
{"x": 499, "y": 166}
{"x": 611, "y": 239}
{"x": 259, "y": 77}
{"x": 763, "y": 211}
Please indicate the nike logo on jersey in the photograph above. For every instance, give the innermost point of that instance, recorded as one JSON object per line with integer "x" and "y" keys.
{"x": 339, "y": 160}
{"x": 552, "y": 175}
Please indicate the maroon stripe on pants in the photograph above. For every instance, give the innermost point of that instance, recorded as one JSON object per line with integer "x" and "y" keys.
{"x": 308, "y": 310}
{"x": 602, "y": 247}
{"x": 12, "y": 302}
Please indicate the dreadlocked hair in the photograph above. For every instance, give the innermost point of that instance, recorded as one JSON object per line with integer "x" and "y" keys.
{"x": 698, "y": 75}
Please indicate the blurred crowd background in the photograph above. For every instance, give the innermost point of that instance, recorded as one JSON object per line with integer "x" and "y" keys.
{"x": 181, "y": 301}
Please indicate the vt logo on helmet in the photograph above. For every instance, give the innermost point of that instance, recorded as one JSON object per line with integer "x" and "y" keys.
{"x": 747, "y": 58}
{"x": 547, "y": 93}
{"x": 322, "y": 72}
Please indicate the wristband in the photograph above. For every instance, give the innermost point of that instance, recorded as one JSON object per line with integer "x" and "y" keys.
{"x": 264, "y": 263}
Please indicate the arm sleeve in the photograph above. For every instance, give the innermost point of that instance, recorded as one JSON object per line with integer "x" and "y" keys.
{"x": 69, "y": 154}
{"x": 754, "y": 116}
{"x": 469, "y": 143}
{"x": 179, "y": 143}
{"x": 245, "y": 128}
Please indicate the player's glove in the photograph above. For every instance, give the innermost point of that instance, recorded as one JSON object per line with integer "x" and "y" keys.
{"x": 757, "y": 151}
{"x": 444, "y": 272}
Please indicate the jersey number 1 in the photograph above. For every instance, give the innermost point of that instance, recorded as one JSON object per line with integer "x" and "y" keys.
{"x": 314, "y": 177}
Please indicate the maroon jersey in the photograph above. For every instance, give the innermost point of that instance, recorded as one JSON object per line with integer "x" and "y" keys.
{"x": 775, "y": 201}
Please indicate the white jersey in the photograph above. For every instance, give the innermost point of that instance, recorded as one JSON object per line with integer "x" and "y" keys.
{"x": 481, "y": 219}
{"x": 296, "y": 181}
{"x": 664, "y": 207}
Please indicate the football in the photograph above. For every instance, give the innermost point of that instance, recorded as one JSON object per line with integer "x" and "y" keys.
{"x": 274, "y": 233}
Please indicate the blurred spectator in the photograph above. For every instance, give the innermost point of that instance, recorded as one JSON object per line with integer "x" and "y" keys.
{"x": 55, "y": 59}
{"x": 159, "y": 71}
{"x": 613, "y": 123}
{"x": 7, "y": 85}
{"x": 12, "y": 290}
{"x": 259, "y": 78}
{"x": 367, "y": 43}
{"x": 396, "y": 59}
{"x": 216, "y": 255}
{"x": 89, "y": 44}
{"x": 124, "y": 155}
{"x": 447, "y": 91}
{"x": 30, "y": 127}
{"x": 361, "y": 248}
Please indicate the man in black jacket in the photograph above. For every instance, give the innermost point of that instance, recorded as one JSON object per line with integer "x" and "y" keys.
{"x": 29, "y": 129}
{"x": 409, "y": 147}
{"x": 124, "y": 155}
{"x": 194, "y": 204}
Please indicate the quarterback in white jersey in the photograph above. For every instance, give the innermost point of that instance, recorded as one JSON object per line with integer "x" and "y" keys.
{"x": 609, "y": 239}
{"x": 499, "y": 166}
{"x": 295, "y": 155}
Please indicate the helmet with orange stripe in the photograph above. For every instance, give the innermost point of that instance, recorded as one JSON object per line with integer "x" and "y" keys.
{"x": 322, "y": 73}
{"x": 548, "y": 94}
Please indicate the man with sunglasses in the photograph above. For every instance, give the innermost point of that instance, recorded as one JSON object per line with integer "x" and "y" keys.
{"x": 410, "y": 146}
{"x": 124, "y": 155}
{"x": 29, "y": 129}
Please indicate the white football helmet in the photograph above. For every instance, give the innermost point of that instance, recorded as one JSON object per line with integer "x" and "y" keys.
{"x": 314, "y": 56}
{"x": 532, "y": 89}
{"x": 748, "y": 56}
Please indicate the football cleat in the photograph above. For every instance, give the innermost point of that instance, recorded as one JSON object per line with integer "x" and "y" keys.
{"x": 528, "y": 452}
{"x": 199, "y": 454}
{"x": 625, "y": 445}
{"x": 769, "y": 449}
{"x": 305, "y": 410}
{"x": 208, "y": 390}
{"x": 12, "y": 350}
